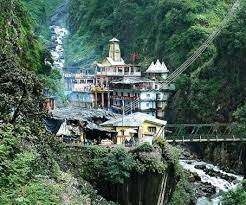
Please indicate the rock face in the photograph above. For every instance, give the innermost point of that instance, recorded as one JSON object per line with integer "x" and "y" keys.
{"x": 194, "y": 177}
{"x": 145, "y": 184}
{"x": 145, "y": 189}
{"x": 229, "y": 156}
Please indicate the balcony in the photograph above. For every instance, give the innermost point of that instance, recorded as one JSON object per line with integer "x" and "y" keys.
{"x": 99, "y": 89}
{"x": 81, "y": 88}
{"x": 120, "y": 74}
{"x": 124, "y": 97}
{"x": 143, "y": 87}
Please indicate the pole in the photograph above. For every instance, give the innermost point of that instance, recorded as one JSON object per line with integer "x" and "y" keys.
{"x": 123, "y": 111}
{"x": 123, "y": 114}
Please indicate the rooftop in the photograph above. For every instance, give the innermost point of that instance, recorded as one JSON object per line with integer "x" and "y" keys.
{"x": 134, "y": 120}
{"x": 82, "y": 114}
{"x": 114, "y": 40}
{"x": 157, "y": 68}
{"x": 132, "y": 80}
{"x": 112, "y": 62}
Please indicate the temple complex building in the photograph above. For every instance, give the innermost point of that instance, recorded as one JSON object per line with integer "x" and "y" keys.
{"x": 120, "y": 87}
{"x": 111, "y": 69}
{"x": 142, "y": 94}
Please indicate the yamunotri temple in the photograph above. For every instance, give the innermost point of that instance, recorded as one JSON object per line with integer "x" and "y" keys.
{"x": 120, "y": 87}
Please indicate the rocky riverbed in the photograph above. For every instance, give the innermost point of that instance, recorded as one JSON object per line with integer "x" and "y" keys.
{"x": 209, "y": 181}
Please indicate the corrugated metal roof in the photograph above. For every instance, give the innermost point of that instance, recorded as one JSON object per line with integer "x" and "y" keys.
{"x": 134, "y": 120}
{"x": 132, "y": 80}
{"x": 114, "y": 40}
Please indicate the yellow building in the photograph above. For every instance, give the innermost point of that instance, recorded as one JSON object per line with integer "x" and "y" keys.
{"x": 136, "y": 128}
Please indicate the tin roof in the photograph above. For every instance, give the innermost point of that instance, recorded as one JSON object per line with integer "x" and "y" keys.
{"x": 114, "y": 40}
{"x": 132, "y": 80}
{"x": 134, "y": 120}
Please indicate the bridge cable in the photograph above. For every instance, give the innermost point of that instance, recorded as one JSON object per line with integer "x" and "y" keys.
{"x": 173, "y": 76}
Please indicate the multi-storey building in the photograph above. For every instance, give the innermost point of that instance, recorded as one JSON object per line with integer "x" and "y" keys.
{"x": 78, "y": 88}
{"x": 120, "y": 87}
{"x": 111, "y": 69}
{"x": 147, "y": 95}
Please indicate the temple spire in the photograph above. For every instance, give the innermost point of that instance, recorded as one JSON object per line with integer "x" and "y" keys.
{"x": 114, "y": 50}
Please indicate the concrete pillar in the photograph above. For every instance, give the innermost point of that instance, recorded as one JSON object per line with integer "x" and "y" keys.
{"x": 109, "y": 102}
{"x": 131, "y": 107}
{"x": 102, "y": 99}
{"x": 130, "y": 68}
{"x": 95, "y": 99}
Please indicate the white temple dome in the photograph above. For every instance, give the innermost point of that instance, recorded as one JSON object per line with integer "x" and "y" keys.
{"x": 158, "y": 67}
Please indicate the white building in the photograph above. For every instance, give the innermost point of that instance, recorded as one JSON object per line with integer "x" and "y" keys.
{"x": 157, "y": 71}
{"x": 139, "y": 94}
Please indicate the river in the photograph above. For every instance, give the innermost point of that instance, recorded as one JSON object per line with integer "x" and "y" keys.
{"x": 217, "y": 178}
{"x": 57, "y": 52}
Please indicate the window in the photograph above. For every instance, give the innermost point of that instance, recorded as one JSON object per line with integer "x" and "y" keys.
{"x": 122, "y": 94}
{"x": 129, "y": 95}
{"x": 147, "y": 95}
{"x": 147, "y": 104}
{"x": 152, "y": 129}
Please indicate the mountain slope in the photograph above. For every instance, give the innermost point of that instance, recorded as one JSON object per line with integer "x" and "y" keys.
{"x": 211, "y": 90}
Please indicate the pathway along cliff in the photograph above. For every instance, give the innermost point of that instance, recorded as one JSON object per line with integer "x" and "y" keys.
{"x": 209, "y": 182}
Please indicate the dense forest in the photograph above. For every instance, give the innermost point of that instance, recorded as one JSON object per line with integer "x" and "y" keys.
{"x": 214, "y": 86}
{"x": 30, "y": 173}
{"x": 212, "y": 90}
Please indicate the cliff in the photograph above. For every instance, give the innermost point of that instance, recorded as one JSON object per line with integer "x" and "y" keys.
{"x": 145, "y": 175}
{"x": 230, "y": 156}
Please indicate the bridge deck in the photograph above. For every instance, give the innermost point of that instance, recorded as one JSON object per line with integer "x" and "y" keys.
{"x": 207, "y": 140}
{"x": 184, "y": 133}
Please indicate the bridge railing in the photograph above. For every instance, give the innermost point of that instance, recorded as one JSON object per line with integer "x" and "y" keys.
{"x": 203, "y": 132}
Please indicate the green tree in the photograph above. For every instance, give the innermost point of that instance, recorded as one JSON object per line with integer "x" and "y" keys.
{"x": 236, "y": 197}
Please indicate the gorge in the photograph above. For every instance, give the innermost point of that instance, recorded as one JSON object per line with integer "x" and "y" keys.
{"x": 38, "y": 169}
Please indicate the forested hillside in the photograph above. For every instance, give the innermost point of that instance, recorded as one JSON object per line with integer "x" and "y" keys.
{"x": 37, "y": 169}
{"x": 29, "y": 172}
{"x": 212, "y": 89}
{"x": 41, "y": 12}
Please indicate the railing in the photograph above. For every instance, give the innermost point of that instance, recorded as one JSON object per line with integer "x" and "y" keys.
{"x": 123, "y": 97}
{"x": 97, "y": 88}
{"x": 82, "y": 88}
{"x": 202, "y": 133}
{"x": 106, "y": 73}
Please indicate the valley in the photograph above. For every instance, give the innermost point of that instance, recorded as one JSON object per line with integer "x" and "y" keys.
{"x": 121, "y": 102}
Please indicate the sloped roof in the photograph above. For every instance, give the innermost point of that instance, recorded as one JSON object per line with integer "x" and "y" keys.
{"x": 134, "y": 120}
{"x": 112, "y": 62}
{"x": 158, "y": 67}
{"x": 114, "y": 40}
{"x": 68, "y": 130}
{"x": 83, "y": 115}
{"x": 132, "y": 80}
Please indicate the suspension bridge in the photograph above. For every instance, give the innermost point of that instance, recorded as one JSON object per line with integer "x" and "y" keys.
{"x": 188, "y": 133}
{"x": 196, "y": 132}
{"x": 134, "y": 104}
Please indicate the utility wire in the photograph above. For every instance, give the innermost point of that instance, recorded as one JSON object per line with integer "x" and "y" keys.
{"x": 173, "y": 76}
